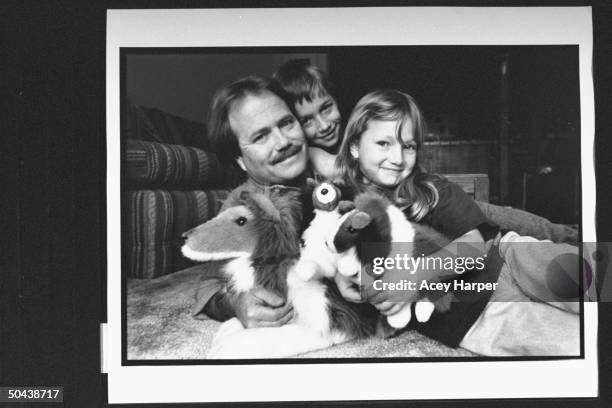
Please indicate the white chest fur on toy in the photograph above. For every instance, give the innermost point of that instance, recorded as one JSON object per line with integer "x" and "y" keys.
{"x": 403, "y": 231}
{"x": 241, "y": 274}
{"x": 348, "y": 263}
{"x": 316, "y": 259}
{"x": 401, "y": 228}
{"x": 307, "y": 297}
{"x": 309, "y": 303}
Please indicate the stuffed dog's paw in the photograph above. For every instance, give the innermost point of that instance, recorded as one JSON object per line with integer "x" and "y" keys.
{"x": 230, "y": 341}
{"x": 401, "y": 318}
{"x": 423, "y": 310}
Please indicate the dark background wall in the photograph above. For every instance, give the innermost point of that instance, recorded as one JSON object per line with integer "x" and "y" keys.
{"x": 184, "y": 84}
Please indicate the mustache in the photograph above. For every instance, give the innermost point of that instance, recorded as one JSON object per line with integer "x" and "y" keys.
{"x": 291, "y": 150}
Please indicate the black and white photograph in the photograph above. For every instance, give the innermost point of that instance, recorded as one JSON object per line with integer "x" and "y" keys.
{"x": 282, "y": 201}
{"x": 523, "y": 173}
{"x": 306, "y": 203}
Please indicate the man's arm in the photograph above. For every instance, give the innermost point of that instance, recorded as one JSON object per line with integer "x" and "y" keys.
{"x": 256, "y": 308}
{"x": 212, "y": 301}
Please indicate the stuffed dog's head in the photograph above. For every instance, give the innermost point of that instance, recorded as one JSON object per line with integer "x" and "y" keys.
{"x": 239, "y": 230}
{"x": 326, "y": 194}
{"x": 366, "y": 221}
{"x": 231, "y": 234}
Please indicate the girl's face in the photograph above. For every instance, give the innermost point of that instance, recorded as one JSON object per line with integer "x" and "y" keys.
{"x": 383, "y": 160}
{"x": 320, "y": 120}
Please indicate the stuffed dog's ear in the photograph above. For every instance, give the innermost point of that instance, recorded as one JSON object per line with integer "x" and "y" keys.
{"x": 261, "y": 206}
{"x": 360, "y": 220}
{"x": 345, "y": 206}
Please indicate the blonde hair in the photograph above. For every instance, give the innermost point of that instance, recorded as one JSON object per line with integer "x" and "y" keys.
{"x": 416, "y": 191}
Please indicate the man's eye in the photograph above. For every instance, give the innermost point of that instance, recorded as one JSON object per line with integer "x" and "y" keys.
{"x": 258, "y": 138}
{"x": 382, "y": 143}
{"x": 327, "y": 108}
{"x": 240, "y": 221}
{"x": 411, "y": 147}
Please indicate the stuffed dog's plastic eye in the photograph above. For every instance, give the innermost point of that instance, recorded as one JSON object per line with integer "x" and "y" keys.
{"x": 352, "y": 230}
{"x": 325, "y": 194}
{"x": 241, "y": 221}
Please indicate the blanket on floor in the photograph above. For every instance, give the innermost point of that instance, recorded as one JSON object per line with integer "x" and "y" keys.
{"x": 160, "y": 327}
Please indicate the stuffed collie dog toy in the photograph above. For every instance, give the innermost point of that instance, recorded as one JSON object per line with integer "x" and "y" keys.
{"x": 259, "y": 237}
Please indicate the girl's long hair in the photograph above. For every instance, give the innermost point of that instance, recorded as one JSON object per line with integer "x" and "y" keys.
{"x": 417, "y": 191}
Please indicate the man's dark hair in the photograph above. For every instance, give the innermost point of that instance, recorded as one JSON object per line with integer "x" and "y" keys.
{"x": 222, "y": 138}
{"x": 302, "y": 81}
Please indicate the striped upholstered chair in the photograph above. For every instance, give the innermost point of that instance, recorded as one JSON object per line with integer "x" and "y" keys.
{"x": 171, "y": 184}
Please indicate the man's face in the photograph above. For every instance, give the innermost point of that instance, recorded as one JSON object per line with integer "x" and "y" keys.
{"x": 272, "y": 144}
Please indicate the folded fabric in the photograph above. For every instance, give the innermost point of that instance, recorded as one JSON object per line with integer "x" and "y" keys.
{"x": 150, "y": 164}
{"x": 155, "y": 221}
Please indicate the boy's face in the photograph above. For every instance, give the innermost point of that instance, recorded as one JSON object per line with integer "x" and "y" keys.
{"x": 320, "y": 120}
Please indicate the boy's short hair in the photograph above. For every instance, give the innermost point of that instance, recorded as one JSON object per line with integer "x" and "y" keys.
{"x": 224, "y": 141}
{"x": 303, "y": 81}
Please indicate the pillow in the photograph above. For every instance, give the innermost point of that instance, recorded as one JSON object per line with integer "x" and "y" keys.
{"x": 155, "y": 220}
{"x": 154, "y": 125}
{"x": 150, "y": 164}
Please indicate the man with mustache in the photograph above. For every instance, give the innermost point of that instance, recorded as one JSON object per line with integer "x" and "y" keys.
{"x": 251, "y": 125}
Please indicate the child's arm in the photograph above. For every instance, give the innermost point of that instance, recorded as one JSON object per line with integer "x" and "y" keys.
{"x": 323, "y": 163}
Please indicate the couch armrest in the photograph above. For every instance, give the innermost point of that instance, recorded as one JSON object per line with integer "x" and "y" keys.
{"x": 156, "y": 220}
{"x": 161, "y": 165}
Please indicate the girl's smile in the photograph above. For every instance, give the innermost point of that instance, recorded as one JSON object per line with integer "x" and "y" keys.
{"x": 383, "y": 159}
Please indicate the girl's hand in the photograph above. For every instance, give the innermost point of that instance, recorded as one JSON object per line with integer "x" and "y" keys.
{"x": 384, "y": 291}
{"x": 348, "y": 288}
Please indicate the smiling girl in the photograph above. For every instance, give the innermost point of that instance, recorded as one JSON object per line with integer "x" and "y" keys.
{"x": 523, "y": 315}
